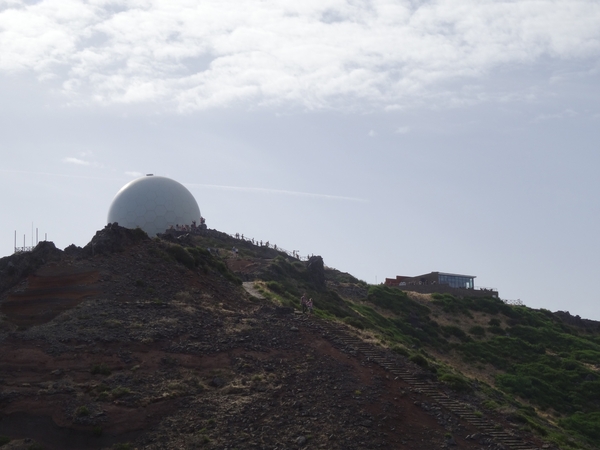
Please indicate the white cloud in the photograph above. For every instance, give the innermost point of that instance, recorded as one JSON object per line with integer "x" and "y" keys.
{"x": 76, "y": 161}
{"x": 328, "y": 54}
{"x": 83, "y": 162}
{"x": 402, "y": 130}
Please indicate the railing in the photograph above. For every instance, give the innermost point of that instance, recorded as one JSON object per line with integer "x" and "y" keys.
{"x": 293, "y": 254}
{"x": 484, "y": 288}
{"x": 23, "y": 249}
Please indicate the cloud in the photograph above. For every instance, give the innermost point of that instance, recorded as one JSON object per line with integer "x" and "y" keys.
{"x": 83, "y": 162}
{"x": 278, "y": 192}
{"x": 402, "y": 130}
{"x": 76, "y": 161}
{"x": 335, "y": 54}
{"x": 568, "y": 113}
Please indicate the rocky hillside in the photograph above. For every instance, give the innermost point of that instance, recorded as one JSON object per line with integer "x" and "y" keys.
{"x": 180, "y": 343}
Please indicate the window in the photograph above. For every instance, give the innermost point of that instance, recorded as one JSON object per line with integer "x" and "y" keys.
{"x": 456, "y": 281}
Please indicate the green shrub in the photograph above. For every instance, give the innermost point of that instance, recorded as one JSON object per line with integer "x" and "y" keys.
{"x": 224, "y": 270}
{"x": 400, "y": 350}
{"x": 489, "y": 305}
{"x": 82, "y": 411}
{"x": 450, "y": 304}
{"x": 4, "y": 440}
{"x": 396, "y": 301}
{"x": 100, "y": 369}
{"x": 452, "y": 330}
{"x": 587, "y": 425}
{"x": 276, "y": 287}
{"x": 494, "y": 322}
{"x": 124, "y": 446}
{"x": 419, "y": 360}
{"x": 587, "y": 356}
{"x": 354, "y": 322}
{"x": 181, "y": 255}
{"x": 455, "y": 382}
{"x": 120, "y": 391}
{"x": 477, "y": 331}
{"x": 496, "y": 330}
{"x": 524, "y": 418}
{"x": 331, "y": 302}
{"x": 491, "y": 405}
{"x": 501, "y": 351}
{"x": 530, "y": 387}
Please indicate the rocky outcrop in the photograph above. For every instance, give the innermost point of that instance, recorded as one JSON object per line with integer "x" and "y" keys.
{"x": 316, "y": 271}
{"x": 17, "y": 266}
{"x": 113, "y": 238}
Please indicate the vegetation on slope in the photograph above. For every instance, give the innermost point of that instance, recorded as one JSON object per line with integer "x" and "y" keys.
{"x": 532, "y": 355}
{"x": 526, "y": 363}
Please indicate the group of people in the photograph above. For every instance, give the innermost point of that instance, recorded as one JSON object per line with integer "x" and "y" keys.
{"x": 257, "y": 242}
{"x": 307, "y": 305}
{"x": 193, "y": 228}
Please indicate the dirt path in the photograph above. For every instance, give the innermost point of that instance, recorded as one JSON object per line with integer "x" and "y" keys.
{"x": 250, "y": 289}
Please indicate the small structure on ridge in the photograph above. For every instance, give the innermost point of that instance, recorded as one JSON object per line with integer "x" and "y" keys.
{"x": 441, "y": 282}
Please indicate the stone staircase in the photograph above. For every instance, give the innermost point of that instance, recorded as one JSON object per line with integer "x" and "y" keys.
{"x": 339, "y": 337}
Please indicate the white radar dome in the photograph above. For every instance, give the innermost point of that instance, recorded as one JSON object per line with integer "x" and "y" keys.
{"x": 153, "y": 204}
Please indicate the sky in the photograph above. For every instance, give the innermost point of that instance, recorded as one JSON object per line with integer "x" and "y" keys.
{"x": 390, "y": 137}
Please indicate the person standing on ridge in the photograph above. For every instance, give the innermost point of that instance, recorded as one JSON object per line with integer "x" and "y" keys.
{"x": 303, "y": 303}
